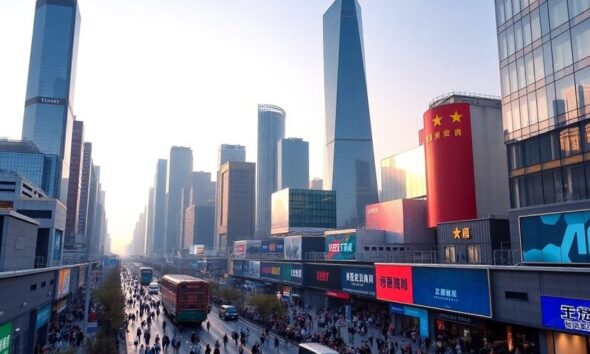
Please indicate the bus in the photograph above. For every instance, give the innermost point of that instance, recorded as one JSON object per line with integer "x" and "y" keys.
{"x": 146, "y": 275}
{"x": 184, "y": 298}
{"x": 315, "y": 348}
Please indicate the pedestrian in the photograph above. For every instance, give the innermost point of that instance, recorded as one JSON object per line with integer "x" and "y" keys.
{"x": 165, "y": 342}
{"x": 277, "y": 343}
{"x": 225, "y": 340}
{"x": 141, "y": 350}
{"x": 241, "y": 349}
{"x": 207, "y": 349}
{"x": 164, "y": 324}
{"x": 193, "y": 338}
{"x": 208, "y": 325}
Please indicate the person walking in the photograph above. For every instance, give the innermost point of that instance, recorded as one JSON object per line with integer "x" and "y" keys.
{"x": 225, "y": 340}
{"x": 207, "y": 349}
{"x": 277, "y": 343}
{"x": 208, "y": 325}
{"x": 165, "y": 342}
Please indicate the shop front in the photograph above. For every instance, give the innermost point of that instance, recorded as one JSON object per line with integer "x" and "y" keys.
{"x": 42, "y": 317}
{"x": 569, "y": 323}
{"x": 319, "y": 279}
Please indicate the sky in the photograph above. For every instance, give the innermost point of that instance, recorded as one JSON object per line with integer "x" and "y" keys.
{"x": 157, "y": 73}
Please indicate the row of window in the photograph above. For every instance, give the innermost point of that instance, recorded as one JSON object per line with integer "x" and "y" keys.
{"x": 556, "y": 11}
{"x": 472, "y": 254}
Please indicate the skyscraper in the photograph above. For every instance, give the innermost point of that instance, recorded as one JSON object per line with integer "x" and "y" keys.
{"x": 293, "y": 163}
{"x": 271, "y": 129}
{"x": 85, "y": 192}
{"x": 179, "y": 180}
{"x": 74, "y": 183}
{"x": 160, "y": 207}
{"x": 350, "y": 162}
{"x": 48, "y": 117}
{"x": 203, "y": 189}
{"x": 149, "y": 228}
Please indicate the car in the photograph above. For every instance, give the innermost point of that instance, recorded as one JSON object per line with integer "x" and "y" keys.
{"x": 153, "y": 288}
{"x": 228, "y": 312}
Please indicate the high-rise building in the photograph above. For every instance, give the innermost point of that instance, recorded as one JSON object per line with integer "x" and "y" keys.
{"x": 93, "y": 196}
{"x": 236, "y": 203}
{"x": 271, "y": 129}
{"x": 350, "y": 162}
{"x": 75, "y": 182}
{"x": 25, "y": 159}
{"x": 316, "y": 184}
{"x": 160, "y": 198}
{"x": 149, "y": 228}
{"x": 179, "y": 181}
{"x": 138, "y": 243}
{"x": 49, "y": 101}
{"x": 403, "y": 175}
{"x": 85, "y": 192}
{"x": 293, "y": 163}
{"x": 203, "y": 189}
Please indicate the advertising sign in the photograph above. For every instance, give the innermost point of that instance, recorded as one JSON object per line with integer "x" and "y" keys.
{"x": 293, "y": 247}
{"x": 57, "y": 238}
{"x": 43, "y": 315}
{"x": 555, "y": 238}
{"x": 394, "y": 283}
{"x": 110, "y": 262}
{"x": 384, "y": 216}
{"x": 5, "y": 337}
{"x": 357, "y": 280}
{"x": 270, "y": 271}
{"x": 454, "y": 289}
{"x": 251, "y": 269}
{"x": 341, "y": 246}
{"x": 567, "y": 314}
{"x": 240, "y": 249}
{"x": 63, "y": 283}
{"x": 81, "y": 275}
{"x": 272, "y": 246}
{"x": 292, "y": 273}
{"x": 322, "y": 276}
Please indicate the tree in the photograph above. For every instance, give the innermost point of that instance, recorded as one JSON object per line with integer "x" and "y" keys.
{"x": 267, "y": 306}
{"x": 231, "y": 295}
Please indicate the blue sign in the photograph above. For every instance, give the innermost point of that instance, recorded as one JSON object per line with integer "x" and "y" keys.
{"x": 360, "y": 281}
{"x": 110, "y": 262}
{"x": 411, "y": 311}
{"x": 566, "y": 314}
{"x": 272, "y": 246}
{"x": 556, "y": 238}
{"x": 453, "y": 289}
{"x": 43, "y": 315}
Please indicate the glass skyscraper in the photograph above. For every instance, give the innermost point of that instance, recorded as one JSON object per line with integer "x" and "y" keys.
{"x": 179, "y": 183}
{"x": 48, "y": 117}
{"x": 293, "y": 163}
{"x": 271, "y": 129}
{"x": 350, "y": 162}
{"x": 24, "y": 158}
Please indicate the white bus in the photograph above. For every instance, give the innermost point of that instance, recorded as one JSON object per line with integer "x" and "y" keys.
{"x": 315, "y": 348}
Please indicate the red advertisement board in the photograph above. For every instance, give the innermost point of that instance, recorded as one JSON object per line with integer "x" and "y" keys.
{"x": 394, "y": 283}
{"x": 385, "y": 216}
{"x": 450, "y": 180}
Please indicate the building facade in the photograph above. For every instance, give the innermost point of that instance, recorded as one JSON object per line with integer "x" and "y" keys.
{"x": 75, "y": 182}
{"x": 303, "y": 211}
{"x": 316, "y": 184}
{"x": 350, "y": 163}
{"x": 48, "y": 117}
{"x": 403, "y": 175}
{"x": 179, "y": 180}
{"x": 160, "y": 209}
{"x": 25, "y": 159}
{"x": 85, "y": 192}
{"x": 292, "y": 164}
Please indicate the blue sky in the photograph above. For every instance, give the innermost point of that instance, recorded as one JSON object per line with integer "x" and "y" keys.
{"x": 156, "y": 73}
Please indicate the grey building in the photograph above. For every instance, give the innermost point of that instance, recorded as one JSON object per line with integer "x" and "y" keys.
{"x": 179, "y": 182}
{"x": 85, "y": 192}
{"x": 149, "y": 234}
{"x": 203, "y": 189}
{"x": 236, "y": 203}
{"x": 18, "y": 240}
{"x": 75, "y": 182}
{"x": 350, "y": 163}
{"x": 160, "y": 199}
{"x": 271, "y": 129}
{"x": 199, "y": 219}
{"x": 48, "y": 117}
{"x": 93, "y": 195}
{"x": 293, "y": 163}
{"x": 25, "y": 158}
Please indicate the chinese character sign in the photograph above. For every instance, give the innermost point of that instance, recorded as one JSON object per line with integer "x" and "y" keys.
{"x": 270, "y": 270}
{"x": 450, "y": 176}
{"x": 566, "y": 314}
{"x": 322, "y": 276}
{"x": 341, "y": 246}
{"x": 357, "y": 280}
{"x": 292, "y": 273}
{"x": 394, "y": 283}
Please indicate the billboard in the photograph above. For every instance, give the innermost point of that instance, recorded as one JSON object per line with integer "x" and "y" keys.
{"x": 411, "y": 311}
{"x": 5, "y": 337}
{"x": 43, "y": 315}
{"x": 110, "y": 262}
{"x": 450, "y": 179}
{"x": 292, "y": 273}
{"x": 567, "y": 314}
{"x": 322, "y": 276}
{"x": 272, "y": 246}
{"x": 394, "y": 283}
{"x": 57, "y": 239}
{"x": 270, "y": 271}
{"x": 341, "y": 246}
{"x": 293, "y": 246}
{"x": 63, "y": 283}
{"x": 453, "y": 289}
{"x": 555, "y": 238}
{"x": 386, "y": 216}
{"x": 251, "y": 269}
{"x": 359, "y": 281}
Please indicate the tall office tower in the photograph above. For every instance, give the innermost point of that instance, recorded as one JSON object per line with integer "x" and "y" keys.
{"x": 316, "y": 184}
{"x": 271, "y": 129}
{"x": 350, "y": 162}
{"x": 93, "y": 206}
{"x": 25, "y": 159}
{"x": 48, "y": 117}
{"x": 236, "y": 203}
{"x": 227, "y": 152}
{"x": 199, "y": 219}
{"x": 160, "y": 182}
{"x": 138, "y": 245}
{"x": 179, "y": 179}
{"x": 149, "y": 228}
{"x": 203, "y": 189}
{"x": 75, "y": 182}
{"x": 293, "y": 163}
{"x": 85, "y": 192}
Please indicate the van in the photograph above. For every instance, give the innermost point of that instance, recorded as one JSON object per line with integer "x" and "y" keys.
{"x": 153, "y": 288}
{"x": 315, "y": 348}
{"x": 228, "y": 312}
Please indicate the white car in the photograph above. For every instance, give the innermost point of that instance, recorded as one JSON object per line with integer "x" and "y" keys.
{"x": 153, "y": 288}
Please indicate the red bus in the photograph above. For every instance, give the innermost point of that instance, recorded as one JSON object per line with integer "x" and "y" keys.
{"x": 185, "y": 298}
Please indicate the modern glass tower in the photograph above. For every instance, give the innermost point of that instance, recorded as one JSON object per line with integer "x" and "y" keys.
{"x": 350, "y": 162}
{"x": 179, "y": 181}
{"x": 159, "y": 208}
{"x": 271, "y": 129}
{"x": 293, "y": 163}
{"x": 48, "y": 117}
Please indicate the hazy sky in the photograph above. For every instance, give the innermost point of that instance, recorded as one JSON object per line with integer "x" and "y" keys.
{"x": 157, "y": 73}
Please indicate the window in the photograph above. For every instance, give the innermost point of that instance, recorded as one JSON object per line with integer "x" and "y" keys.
{"x": 543, "y": 12}
{"x": 581, "y": 40}
{"x": 569, "y": 141}
{"x": 510, "y": 40}
{"x": 551, "y": 103}
{"x": 565, "y": 97}
{"x": 503, "y": 46}
{"x": 562, "y": 52}
{"x": 547, "y": 59}
{"x": 574, "y": 182}
{"x": 531, "y": 150}
{"x": 535, "y": 25}
{"x": 43, "y": 283}
{"x": 526, "y": 30}
{"x": 473, "y": 253}
{"x": 518, "y": 35}
{"x": 529, "y": 68}
{"x": 538, "y": 63}
{"x": 552, "y": 189}
{"x": 515, "y": 156}
{"x": 507, "y": 117}
{"x": 508, "y": 9}
{"x": 517, "y": 192}
{"x": 513, "y": 77}
{"x": 586, "y": 137}
{"x": 516, "y": 115}
{"x": 557, "y": 13}
{"x": 549, "y": 147}
{"x": 514, "y": 295}
{"x": 521, "y": 73}
{"x": 542, "y": 105}
{"x": 534, "y": 189}
{"x": 533, "y": 114}
{"x": 583, "y": 90}
{"x": 450, "y": 254}
{"x": 33, "y": 287}
{"x": 576, "y": 7}
{"x": 524, "y": 111}
{"x": 515, "y": 7}
{"x": 505, "y": 75}
{"x": 500, "y": 15}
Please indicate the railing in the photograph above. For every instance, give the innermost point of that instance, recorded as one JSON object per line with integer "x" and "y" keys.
{"x": 40, "y": 262}
{"x": 506, "y": 257}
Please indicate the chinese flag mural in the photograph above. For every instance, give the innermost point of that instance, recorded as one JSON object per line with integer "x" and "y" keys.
{"x": 450, "y": 180}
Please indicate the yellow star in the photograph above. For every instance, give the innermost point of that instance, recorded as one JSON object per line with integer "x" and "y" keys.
{"x": 456, "y": 233}
{"x": 456, "y": 117}
{"x": 437, "y": 120}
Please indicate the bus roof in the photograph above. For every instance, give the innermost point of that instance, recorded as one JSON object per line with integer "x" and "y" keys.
{"x": 145, "y": 268}
{"x": 180, "y": 278}
{"x": 318, "y": 348}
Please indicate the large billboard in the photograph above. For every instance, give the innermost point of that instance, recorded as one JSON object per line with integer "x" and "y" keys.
{"x": 555, "y": 238}
{"x": 394, "y": 283}
{"x": 566, "y": 314}
{"x": 386, "y": 216}
{"x": 341, "y": 246}
{"x": 251, "y": 269}
{"x": 450, "y": 179}
{"x": 293, "y": 247}
{"x": 358, "y": 280}
{"x": 272, "y": 246}
{"x": 63, "y": 283}
{"x": 270, "y": 271}
{"x": 322, "y": 276}
{"x": 292, "y": 273}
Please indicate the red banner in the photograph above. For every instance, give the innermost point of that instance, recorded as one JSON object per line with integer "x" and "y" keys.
{"x": 394, "y": 283}
{"x": 450, "y": 177}
{"x": 386, "y": 216}
{"x": 338, "y": 294}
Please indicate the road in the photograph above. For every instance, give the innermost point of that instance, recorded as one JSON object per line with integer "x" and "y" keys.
{"x": 218, "y": 328}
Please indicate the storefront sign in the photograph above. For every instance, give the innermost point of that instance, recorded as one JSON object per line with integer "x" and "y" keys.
{"x": 270, "y": 271}
{"x": 5, "y": 337}
{"x": 341, "y": 246}
{"x": 566, "y": 314}
{"x": 292, "y": 273}
{"x": 63, "y": 283}
{"x": 453, "y": 289}
{"x": 338, "y": 294}
{"x": 394, "y": 283}
{"x": 322, "y": 276}
{"x": 555, "y": 238}
{"x": 461, "y": 233}
{"x": 43, "y": 315}
{"x": 356, "y": 280}
{"x": 457, "y": 318}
